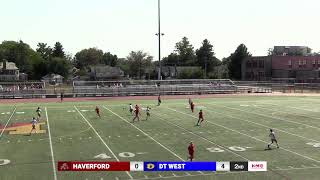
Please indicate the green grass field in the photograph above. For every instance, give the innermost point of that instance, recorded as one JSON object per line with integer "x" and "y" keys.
{"x": 236, "y": 129}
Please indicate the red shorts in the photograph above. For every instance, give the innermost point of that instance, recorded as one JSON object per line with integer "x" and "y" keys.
{"x": 191, "y": 154}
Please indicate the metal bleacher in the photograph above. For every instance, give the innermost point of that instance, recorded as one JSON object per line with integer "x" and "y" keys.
{"x": 147, "y": 88}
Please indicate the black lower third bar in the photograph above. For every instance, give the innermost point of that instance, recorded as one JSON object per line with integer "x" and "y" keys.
{"x": 238, "y": 166}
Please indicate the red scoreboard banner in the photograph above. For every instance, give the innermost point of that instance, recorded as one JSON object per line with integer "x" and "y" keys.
{"x": 93, "y": 166}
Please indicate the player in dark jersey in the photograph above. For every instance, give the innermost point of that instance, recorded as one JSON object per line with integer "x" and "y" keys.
{"x": 192, "y": 107}
{"x": 136, "y": 113}
{"x": 159, "y": 100}
{"x": 38, "y": 111}
{"x": 201, "y": 118}
{"x": 191, "y": 149}
{"x": 98, "y": 111}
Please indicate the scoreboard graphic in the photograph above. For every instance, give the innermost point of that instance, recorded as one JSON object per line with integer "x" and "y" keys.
{"x": 164, "y": 166}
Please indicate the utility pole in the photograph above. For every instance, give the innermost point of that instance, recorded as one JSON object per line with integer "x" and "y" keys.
{"x": 159, "y": 34}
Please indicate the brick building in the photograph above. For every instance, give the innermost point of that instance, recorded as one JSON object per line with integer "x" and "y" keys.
{"x": 258, "y": 68}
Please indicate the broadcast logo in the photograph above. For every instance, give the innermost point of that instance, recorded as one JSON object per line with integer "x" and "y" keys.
{"x": 257, "y": 166}
{"x": 150, "y": 166}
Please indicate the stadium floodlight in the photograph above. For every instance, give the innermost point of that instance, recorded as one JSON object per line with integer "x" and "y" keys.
{"x": 159, "y": 34}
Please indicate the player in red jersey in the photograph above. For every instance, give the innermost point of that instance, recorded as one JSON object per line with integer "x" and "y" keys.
{"x": 137, "y": 113}
{"x": 191, "y": 149}
{"x": 98, "y": 111}
{"x": 201, "y": 118}
{"x": 192, "y": 107}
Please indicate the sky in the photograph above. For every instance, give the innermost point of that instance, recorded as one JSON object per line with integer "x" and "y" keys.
{"x": 121, "y": 26}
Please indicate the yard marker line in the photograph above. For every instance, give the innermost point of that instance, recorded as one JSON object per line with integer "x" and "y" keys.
{"x": 303, "y": 168}
{"x": 179, "y": 126}
{"x": 145, "y": 134}
{"x": 193, "y": 175}
{"x": 304, "y": 114}
{"x": 15, "y": 108}
{"x": 259, "y": 114}
{"x": 51, "y": 148}
{"x": 101, "y": 139}
{"x": 306, "y": 157}
{"x": 252, "y": 122}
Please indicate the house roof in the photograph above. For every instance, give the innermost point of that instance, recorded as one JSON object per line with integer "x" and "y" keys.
{"x": 10, "y": 66}
{"x": 52, "y": 76}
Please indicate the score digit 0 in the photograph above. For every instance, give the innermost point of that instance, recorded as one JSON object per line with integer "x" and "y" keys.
{"x": 136, "y": 166}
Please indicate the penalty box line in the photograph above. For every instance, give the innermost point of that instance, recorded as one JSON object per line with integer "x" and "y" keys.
{"x": 4, "y": 128}
{"x": 306, "y": 157}
{"x": 105, "y": 144}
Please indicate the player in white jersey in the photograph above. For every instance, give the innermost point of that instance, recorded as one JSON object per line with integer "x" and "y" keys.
{"x": 33, "y": 123}
{"x": 131, "y": 109}
{"x": 273, "y": 139}
{"x": 148, "y": 112}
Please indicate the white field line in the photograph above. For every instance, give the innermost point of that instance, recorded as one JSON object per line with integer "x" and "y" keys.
{"x": 105, "y": 144}
{"x": 217, "y": 173}
{"x": 145, "y": 134}
{"x": 51, "y": 148}
{"x": 178, "y": 126}
{"x": 4, "y": 128}
{"x": 259, "y": 114}
{"x": 252, "y": 122}
{"x": 312, "y": 117}
{"x": 306, "y": 157}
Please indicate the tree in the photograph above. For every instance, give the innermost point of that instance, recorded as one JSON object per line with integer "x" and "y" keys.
{"x": 139, "y": 63}
{"x": 235, "y": 61}
{"x": 206, "y": 58}
{"x": 25, "y": 58}
{"x": 60, "y": 66}
{"x": 172, "y": 59}
{"x": 87, "y": 57}
{"x": 110, "y": 59}
{"x": 58, "y": 50}
{"x": 44, "y": 50}
{"x": 185, "y": 51}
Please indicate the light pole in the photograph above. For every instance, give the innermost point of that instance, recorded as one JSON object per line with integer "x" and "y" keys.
{"x": 159, "y": 34}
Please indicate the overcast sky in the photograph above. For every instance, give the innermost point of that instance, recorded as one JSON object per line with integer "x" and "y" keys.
{"x": 120, "y": 26}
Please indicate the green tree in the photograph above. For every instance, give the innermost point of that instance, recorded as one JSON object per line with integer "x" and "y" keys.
{"x": 139, "y": 62}
{"x": 235, "y": 60}
{"x": 172, "y": 59}
{"x": 58, "y": 50}
{"x": 25, "y": 58}
{"x": 110, "y": 59}
{"x": 87, "y": 57}
{"x": 185, "y": 51}
{"x": 60, "y": 66}
{"x": 44, "y": 50}
{"x": 206, "y": 58}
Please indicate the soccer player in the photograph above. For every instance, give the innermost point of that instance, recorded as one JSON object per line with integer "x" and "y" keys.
{"x": 148, "y": 112}
{"x": 191, "y": 149}
{"x": 137, "y": 113}
{"x": 61, "y": 96}
{"x": 33, "y": 123}
{"x": 38, "y": 111}
{"x": 159, "y": 100}
{"x": 131, "y": 109}
{"x": 98, "y": 111}
{"x": 201, "y": 119}
{"x": 192, "y": 107}
{"x": 273, "y": 139}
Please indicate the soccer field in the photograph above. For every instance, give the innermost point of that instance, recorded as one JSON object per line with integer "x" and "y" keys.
{"x": 235, "y": 129}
